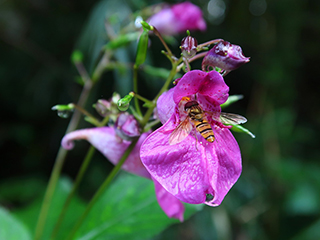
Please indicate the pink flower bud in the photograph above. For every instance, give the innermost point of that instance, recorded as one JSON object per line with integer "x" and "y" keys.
{"x": 108, "y": 107}
{"x": 189, "y": 46}
{"x": 178, "y": 18}
{"x": 103, "y": 107}
{"x": 127, "y": 127}
{"x": 224, "y": 55}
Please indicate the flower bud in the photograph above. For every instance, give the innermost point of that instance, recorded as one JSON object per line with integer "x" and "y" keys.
{"x": 76, "y": 56}
{"x": 123, "y": 103}
{"x": 225, "y": 56}
{"x": 142, "y": 48}
{"x": 108, "y": 107}
{"x": 127, "y": 127}
{"x": 189, "y": 47}
{"x": 63, "y": 111}
{"x": 103, "y": 107}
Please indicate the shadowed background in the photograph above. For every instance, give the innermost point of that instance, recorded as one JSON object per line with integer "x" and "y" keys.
{"x": 277, "y": 195}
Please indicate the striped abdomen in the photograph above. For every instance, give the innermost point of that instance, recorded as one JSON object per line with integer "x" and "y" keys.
{"x": 198, "y": 118}
{"x": 204, "y": 128}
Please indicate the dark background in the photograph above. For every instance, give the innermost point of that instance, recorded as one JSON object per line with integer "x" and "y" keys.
{"x": 277, "y": 196}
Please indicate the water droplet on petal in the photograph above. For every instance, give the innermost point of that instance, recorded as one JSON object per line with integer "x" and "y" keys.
{"x": 209, "y": 197}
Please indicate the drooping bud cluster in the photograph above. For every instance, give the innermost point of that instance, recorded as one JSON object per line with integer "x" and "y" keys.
{"x": 225, "y": 56}
{"x": 108, "y": 107}
{"x": 189, "y": 47}
{"x": 103, "y": 107}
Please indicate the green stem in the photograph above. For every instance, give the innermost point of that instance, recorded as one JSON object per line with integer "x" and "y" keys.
{"x": 169, "y": 79}
{"x": 151, "y": 124}
{"x": 62, "y": 153}
{"x": 79, "y": 177}
{"x": 102, "y": 188}
{"x": 117, "y": 168}
{"x": 200, "y": 46}
{"x": 162, "y": 90}
{"x": 141, "y": 98}
{"x": 89, "y": 117}
{"x": 156, "y": 32}
{"x": 104, "y": 121}
{"x": 135, "y": 89}
{"x": 49, "y": 193}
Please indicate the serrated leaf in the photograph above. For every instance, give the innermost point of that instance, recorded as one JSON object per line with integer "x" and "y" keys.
{"x": 11, "y": 228}
{"x": 128, "y": 210}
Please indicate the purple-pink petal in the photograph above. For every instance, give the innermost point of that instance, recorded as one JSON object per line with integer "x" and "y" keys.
{"x": 169, "y": 203}
{"x": 178, "y": 18}
{"x": 189, "y": 170}
{"x": 111, "y": 146}
{"x": 209, "y": 84}
{"x": 189, "y": 16}
{"x": 165, "y": 105}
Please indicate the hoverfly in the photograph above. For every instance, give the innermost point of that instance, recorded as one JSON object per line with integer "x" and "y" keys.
{"x": 196, "y": 119}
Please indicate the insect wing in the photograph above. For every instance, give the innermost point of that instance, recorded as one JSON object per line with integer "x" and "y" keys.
{"x": 181, "y": 132}
{"x": 232, "y": 118}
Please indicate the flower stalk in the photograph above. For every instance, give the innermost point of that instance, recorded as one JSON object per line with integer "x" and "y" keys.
{"x": 102, "y": 188}
{"x": 61, "y": 156}
{"x": 79, "y": 177}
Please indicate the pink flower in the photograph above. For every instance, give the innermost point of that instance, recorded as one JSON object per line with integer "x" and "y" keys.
{"x": 193, "y": 169}
{"x": 178, "y": 18}
{"x": 106, "y": 140}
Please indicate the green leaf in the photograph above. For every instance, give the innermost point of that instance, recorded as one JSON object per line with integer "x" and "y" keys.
{"x": 302, "y": 199}
{"x": 94, "y": 36}
{"x": 158, "y": 72}
{"x": 309, "y": 233}
{"x": 29, "y": 215}
{"x": 14, "y": 190}
{"x": 238, "y": 128}
{"x": 231, "y": 99}
{"x": 11, "y": 228}
{"x": 122, "y": 41}
{"x": 128, "y": 210}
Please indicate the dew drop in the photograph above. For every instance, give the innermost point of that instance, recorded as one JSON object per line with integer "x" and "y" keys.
{"x": 209, "y": 197}
{"x": 64, "y": 113}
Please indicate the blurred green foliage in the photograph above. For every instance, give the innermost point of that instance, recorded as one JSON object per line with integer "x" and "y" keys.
{"x": 278, "y": 193}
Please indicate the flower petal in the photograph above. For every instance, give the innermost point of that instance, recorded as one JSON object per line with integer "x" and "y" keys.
{"x": 223, "y": 164}
{"x": 165, "y": 106}
{"x": 169, "y": 203}
{"x": 178, "y": 18}
{"x": 189, "y": 170}
{"x": 112, "y": 147}
{"x": 189, "y": 16}
{"x": 209, "y": 84}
